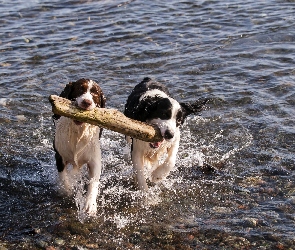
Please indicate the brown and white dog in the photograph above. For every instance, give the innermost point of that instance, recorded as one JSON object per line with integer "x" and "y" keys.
{"x": 151, "y": 102}
{"x": 78, "y": 143}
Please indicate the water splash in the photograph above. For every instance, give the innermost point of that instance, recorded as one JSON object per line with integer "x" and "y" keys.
{"x": 218, "y": 144}
{"x": 204, "y": 143}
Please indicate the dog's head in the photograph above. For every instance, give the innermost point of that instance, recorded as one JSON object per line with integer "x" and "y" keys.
{"x": 86, "y": 93}
{"x": 166, "y": 113}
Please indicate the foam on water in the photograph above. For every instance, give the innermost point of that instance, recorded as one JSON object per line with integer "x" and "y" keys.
{"x": 3, "y": 101}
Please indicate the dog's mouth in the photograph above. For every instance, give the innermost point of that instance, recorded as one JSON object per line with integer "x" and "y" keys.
{"x": 78, "y": 123}
{"x": 156, "y": 144}
{"x": 84, "y": 105}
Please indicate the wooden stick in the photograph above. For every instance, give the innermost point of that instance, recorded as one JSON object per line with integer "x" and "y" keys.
{"x": 110, "y": 119}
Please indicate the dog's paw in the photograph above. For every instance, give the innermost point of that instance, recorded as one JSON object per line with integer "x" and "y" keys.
{"x": 65, "y": 190}
{"x": 90, "y": 208}
{"x": 158, "y": 175}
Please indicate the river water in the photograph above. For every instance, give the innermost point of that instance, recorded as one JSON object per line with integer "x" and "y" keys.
{"x": 240, "y": 53}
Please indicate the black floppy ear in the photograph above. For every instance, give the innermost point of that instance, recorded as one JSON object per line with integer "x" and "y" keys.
{"x": 67, "y": 91}
{"x": 193, "y": 107}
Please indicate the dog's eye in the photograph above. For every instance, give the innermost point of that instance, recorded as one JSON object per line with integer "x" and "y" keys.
{"x": 81, "y": 89}
{"x": 178, "y": 118}
{"x": 93, "y": 91}
{"x": 178, "y": 122}
{"x": 165, "y": 115}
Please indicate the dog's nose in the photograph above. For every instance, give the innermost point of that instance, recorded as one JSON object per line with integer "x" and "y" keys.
{"x": 86, "y": 103}
{"x": 168, "y": 134}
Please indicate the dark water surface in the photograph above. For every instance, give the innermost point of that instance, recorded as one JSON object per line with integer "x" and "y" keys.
{"x": 242, "y": 53}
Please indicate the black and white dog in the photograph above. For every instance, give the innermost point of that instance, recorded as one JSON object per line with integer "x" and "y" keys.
{"x": 151, "y": 102}
{"x": 77, "y": 143}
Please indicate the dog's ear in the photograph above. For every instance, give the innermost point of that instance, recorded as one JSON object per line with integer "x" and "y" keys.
{"x": 67, "y": 91}
{"x": 145, "y": 80}
{"x": 193, "y": 107}
{"x": 65, "y": 94}
{"x": 102, "y": 100}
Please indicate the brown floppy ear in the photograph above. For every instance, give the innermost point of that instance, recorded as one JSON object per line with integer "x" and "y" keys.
{"x": 67, "y": 91}
{"x": 102, "y": 100}
{"x": 65, "y": 94}
{"x": 102, "y": 105}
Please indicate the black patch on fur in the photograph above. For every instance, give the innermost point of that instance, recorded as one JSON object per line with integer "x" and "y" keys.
{"x": 58, "y": 159}
{"x": 157, "y": 107}
{"x": 152, "y": 107}
{"x": 143, "y": 110}
{"x": 161, "y": 108}
{"x": 133, "y": 108}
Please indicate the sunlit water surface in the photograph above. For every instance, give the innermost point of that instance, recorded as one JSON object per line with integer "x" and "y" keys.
{"x": 240, "y": 53}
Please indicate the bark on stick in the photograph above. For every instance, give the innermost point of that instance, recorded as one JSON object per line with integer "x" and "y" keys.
{"x": 110, "y": 119}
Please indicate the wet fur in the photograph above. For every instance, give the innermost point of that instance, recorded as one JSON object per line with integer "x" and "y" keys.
{"x": 78, "y": 143}
{"x": 151, "y": 102}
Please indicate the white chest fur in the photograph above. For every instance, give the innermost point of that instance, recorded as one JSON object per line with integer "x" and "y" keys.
{"x": 76, "y": 143}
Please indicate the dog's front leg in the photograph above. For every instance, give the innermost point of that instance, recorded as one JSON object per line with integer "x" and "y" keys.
{"x": 92, "y": 192}
{"x": 65, "y": 187}
{"x": 138, "y": 164}
{"x": 164, "y": 169}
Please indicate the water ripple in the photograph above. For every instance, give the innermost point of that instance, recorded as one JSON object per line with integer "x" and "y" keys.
{"x": 241, "y": 53}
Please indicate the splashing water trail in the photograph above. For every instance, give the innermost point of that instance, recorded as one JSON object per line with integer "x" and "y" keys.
{"x": 117, "y": 187}
{"x": 233, "y": 183}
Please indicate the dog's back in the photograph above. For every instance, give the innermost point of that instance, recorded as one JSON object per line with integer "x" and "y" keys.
{"x": 139, "y": 90}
